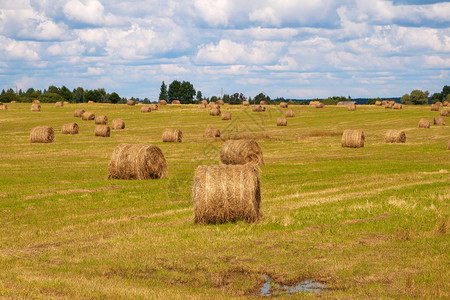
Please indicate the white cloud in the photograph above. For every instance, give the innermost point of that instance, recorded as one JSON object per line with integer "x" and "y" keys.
{"x": 18, "y": 50}
{"x": 89, "y": 11}
{"x": 73, "y": 48}
{"x": 214, "y": 13}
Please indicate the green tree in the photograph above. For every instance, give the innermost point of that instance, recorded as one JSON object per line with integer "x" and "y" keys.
{"x": 50, "y": 98}
{"x": 261, "y": 97}
{"x": 8, "y": 96}
{"x": 237, "y": 98}
{"x": 77, "y": 95}
{"x": 445, "y": 92}
{"x": 187, "y": 93}
{"x": 226, "y": 98}
{"x": 418, "y": 97}
{"x": 174, "y": 90}
{"x": 435, "y": 98}
{"x": 199, "y": 95}
{"x": 114, "y": 97}
{"x": 214, "y": 98}
{"x": 53, "y": 89}
{"x": 406, "y": 99}
{"x": 65, "y": 93}
{"x": 163, "y": 95}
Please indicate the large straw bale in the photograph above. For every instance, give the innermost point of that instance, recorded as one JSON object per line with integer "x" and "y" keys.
{"x": 226, "y": 115}
{"x": 35, "y": 107}
{"x": 154, "y": 107}
{"x": 118, "y": 124}
{"x": 424, "y": 123}
{"x": 78, "y": 113}
{"x": 91, "y": 102}
{"x": 42, "y": 134}
{"x": 258, "y": 108}
{"x": 353, "y": 138}
{"x": 283, "y": 105}
{"x": 137, "y": 161}
{"x": 131, "y": 102}
{"x": 101, "y": 120}
{"x": 445, "y": 103}
{"x": 102, "y": 130}
{"x": 172, "y": 135}
{"x": 444, "y": 113}
{"x": 397, "y": 106}
{"x": 201, "y": 105}
{"x": 320, "y": 105}
{"x": 388, "y": 105}
{"x": 281, "y": 121}
{"x": 87, "y": 116}
{"x": 162, "y": 102}
{"x": 351, "y": 107}
{"x": 289, "y": 113}
{"x": 214, "y": 111}
{"x": 439, "y": 120}
{"x": 70, "y": 128}
{"x": 378, "y": 103}
{"x": 220, "y": 102}
{"x": 434, "y": 107}
{"x": 239, "y": 152}
{"x": 246, "y": 103}
{"x": 211, "y": 132}
{"x": 226, "y": 193}
{"x": 59, "y": 104}
{"x": 145, "y": 109}
{"x": 176, "y": 102}
{"x": 3, "y": 107}
{"x": 395, "y": 136}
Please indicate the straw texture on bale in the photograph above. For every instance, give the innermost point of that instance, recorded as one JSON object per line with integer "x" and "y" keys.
{"x": 395, "y": 136}
{"x": 281, "y": 121}
{"x": 214, "y": 111}
{"x": 102, "y": 130}
{"x": 90, "y": 101}
{"x": 378, "y": 103}
{"x": 131, "y": 102}
{"x": 137, "y": 161}
{"x": 154, "y": 107}
{"x": 240, "y": 152}
{"x": 397, "y": 106}
{"x": 211, "y": 132}
{"x": 384, "y": 102}
{"x": 66, "y": 102}
{"x": 388, "y": 105}
{"x": 35, "y": 107}
{"x": 445, "y": 113}
{"x": 226, "y": 193}
{"x": 424, "y": 123}
{"x": 392, "y": 102}
{"x": 438, "y": 103}
{"x": 59, "y": 104}
{"x": 445, "y": 103}
{"x": 435, "y": 107}
{"x": 3, "y": 107}
{"x": 78, "y": 113}
{"x": 42, "y": 134}
{"x": 439, "y": 120}
{"x": 289, "y": 113}
{"x": 320, "y": 105}
{"x": 118, "y": 124}
{"x": 36, "y": 101}
{"x": 262, "y": 102}
{"x": 353, "y": 138}
{"x": 246, "y": 103}
{"x": 204, "y": 102}
{"x": 220, "y": 102}
{"x": 71, "y": 128}
{"x": 14, "y": 101}
{"x": 313, "y": 103}
{"x": 172, "y": 135}
{"x": 226, "y": 115}
{"x": 351, "y": 107}
{"x": 258, "y": 108}
{"x": 162, "y": 102}
{"x": 213, "y": 105}
{"x": 201, "y": 105}
{"x": 101, "y": 120}
{"x": 145, "y": 109}
{"x": 283, "y": 105}
{"x": 176, "y": 102}
{"x": 87, "y": 115}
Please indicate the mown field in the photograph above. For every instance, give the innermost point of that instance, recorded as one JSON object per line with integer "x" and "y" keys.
{"x": 367, "y": 223}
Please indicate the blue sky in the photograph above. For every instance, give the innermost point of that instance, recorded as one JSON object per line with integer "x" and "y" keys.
{"x": 283, "y": 48}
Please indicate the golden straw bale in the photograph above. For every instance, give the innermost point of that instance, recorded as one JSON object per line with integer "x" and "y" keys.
{"x": 137, "y": 161}
{"x": 213, "y": 105}
{"x": 172, "y": 135}
{"x": 154, "y": 107}
{"x": 35, "y": 107}
{"x": 78, "y": 113}
{"x": 258, "y": 108}
{"x": 102, "y": 130}
{"x": 131, "y": 102}
{"x": 226, "y": 115}
{"x": 226, "y": 193}
{"x": 424, "y": 123}
{"x": 66, "y": 102}
{"x": 59, "y": 104}
{"x": 439, "y": 120}
{"x": 392, "y": 102}
{"x": 262, "y": 102}
{"x": 246, "y": 103}
{"x": 204, "y": 102}
{"x": 14, "y": 101}
{"x": 289, "y": 113}
{"x": 214, "y": 111}
{"x": 351, "y": 107}
{"x": 388, "y": 105}
{"x": 353, "y": 138}
{"x": 176, "y": 102}
{"x": 118, "y": 124}
{"x": 397, "y": 106}
{"x": 3, "y": 107}
{"x": 445, "y": 103}
{"x": 162, "y": 102}
{"x": 378, "y": 103}
{"x": 87, "y": 116}
{"x": 395, "y": 136}
{"x": 42, "y": 134}
{"x": 438, "y": 103}
{"x": 101, "y": 120}
{"x": 90, "y": 102}
{"x": 444, "y": 113}
{"x": 211, "y": 132}
{"x": 281, "y": 121}
{"x": 71, "y": 128}
{"x": 36, "y": 101}
{"x": 320, "y": 105}
{"x": 435, "y": 107}
{"x": 384, "y": 102}
{"x": 239, "y": 152}
{"x": 220, "y": 102}
{"x": 145, "y": 109}
{"x": 201, "y": 105}
{"x": 283, "y": 105}
{"x": 313, "y": 102}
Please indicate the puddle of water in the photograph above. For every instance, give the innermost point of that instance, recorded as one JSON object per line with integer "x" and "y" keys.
{"x": 271, "y": 288}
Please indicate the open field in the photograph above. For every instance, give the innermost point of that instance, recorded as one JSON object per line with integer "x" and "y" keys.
{"x": 367, "y": 222}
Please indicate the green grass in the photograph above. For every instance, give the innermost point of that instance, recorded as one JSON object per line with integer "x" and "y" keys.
{"x": 369, "y": 222}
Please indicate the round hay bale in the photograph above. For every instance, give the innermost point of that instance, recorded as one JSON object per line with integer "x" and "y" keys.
{"x": 395, "y": 136}
{"x": 66, "y": 102}
{"x": 138, "y": 161}
{"x": 388, "y": 105}
{"x": 444, "y": 113}
{"x": 351, "y": 107}
{"x": 145, "y": 109}
{"x": 281, "y": 121}
{"x": 397, "y": 106}
{"x": 14, "y": 101}
{"x": 246, "y": 103}
{"x": 102, "y": 130}
{"x": 320, "y": 105}
{"x": 283, "y": 105}
{"x": 101, "y": 120}
{"x": 35, "y": 107}
{"x": 384, "y": 102}
{"x": 313, "y": 102}
{"x": 258, "y": 108}
{"x": 445, "y": 103}
{"x": 239, "y": 152}
{"x": 214, "y": 111}
{"x": 213, "y": 105}
{"x": 289, "y": 114}
{"x": 435, "y": 107}
{"x": 211, "y": 132}
{"x": 202, "y": 105}
{"x": 42, "y": 134}
{"x": 36, "y": 101}
{"x": 172, "y": 135}
{"x": 438, "y": 103}
{"x": 262, "y": 102}
{"x": 353, "y": 138}
{"x": 87, "y": 116}
{"x": 90, "y": 101}
{"x": 140, "y": 103}
{"x": 439, "y": 120}
{"x": 154, "y": 107}
{"x": 226, "y": 115}
{"x": 391, "y": 102}
{"x": 59, "y": 104}
{"x": 118, "y": 124}
{"x": 71, "y": 128}
{"x": 131, "y": 102}
{"x": 220, "y": 102}
{"x": 3, "y": 107}
{"x": 176, "y": 102}
{"x": 78, "y": 113}
{"x": 424, "y": 123}
{"x": 226, "y": 193}
{"x": 162, "y": 102}
{"x": 378, "y": 103}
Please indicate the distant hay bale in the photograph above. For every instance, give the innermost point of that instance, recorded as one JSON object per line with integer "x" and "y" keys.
{"x": 395, "y": 136}
{"x": 102, "y": 130}
{"x": 445, "y": 103}
{"x": 176, "y": 102}
{"x": 14, "y": 101}
{"x": 172, "y": 135}
{"x": 131, "y": 102}
{"x": 438, "y": 103}
{"x": 313, "y": 103}
{"x": 397, "y": 106}
{"x": 226, "y": 115}
{"x": 281, "y": 121}
{"x": 239, "y": 152}
{"x": 78, "y": 113}
{"x": 66, "y": 102}
{"x": 388, "y": 105}
{"x": 90, "y": 101}
{"x": 3, "y": 107}
{"x": 211, "y": 132}
{"x": 162, "y": 102}
{"x": 444, "y": 113}
{"x": 384, "y": 102}
{"x": 138, "y": 161}
{"x": 87, "y": 116}
{"x": 246, "y": 103}
{"x": 202, "y": 105}
{"x": 262, "y": 102}
{"x": 289, "y": 113}
{"x": 154, "y": 107}
{"x": 439, "y": 120}
{"x": 59, "y": 104}
{"x": 220, "y": 102}
{"x": 118, "y": 124}
{"x": 435, "y": 107}
{"x": 36, "y": 101}
{"x": 320, "y": 105}
{"x": 424, "y": 123}
{"x": 226, "y": 193}
{"x": 140, "y": 103}
{"x": 258, "y": 108}
{"x": 283, "y": 105}
{"x": 145, "y": 109}
{"x": 71, "y": 128}
{"x": 214, "y": 111}
{"x": 101, "y": 120}
{"x": 35, "y": 107}
{"x": 353, "y": 138}
{"x": 351, "y": 107}
{"x": 204, "y": 102}
{"x": 392, "y": 102}
{"x": 378, "y": 103}
{"x": 42, "y": 134}
{"x": 213, "y": 105}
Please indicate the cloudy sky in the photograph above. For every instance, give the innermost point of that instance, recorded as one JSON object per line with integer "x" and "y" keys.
{"x": 283, "y": 48}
